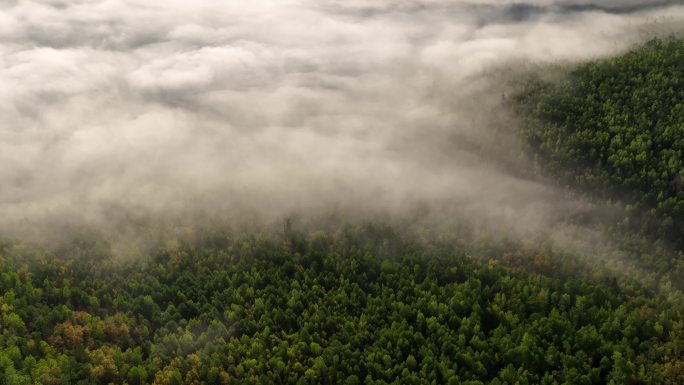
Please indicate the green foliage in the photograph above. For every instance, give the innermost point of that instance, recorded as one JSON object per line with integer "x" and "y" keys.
{"x": 359, "y": 306}
{"x": 616, "y": 127}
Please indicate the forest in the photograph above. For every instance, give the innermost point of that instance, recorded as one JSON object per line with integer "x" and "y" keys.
{"x": 615, "y": 128}
{"x": 365, "y": 305}
{"x": 375, "y": 304}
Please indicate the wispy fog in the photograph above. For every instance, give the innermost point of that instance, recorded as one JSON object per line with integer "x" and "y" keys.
{"x": 115, "y": 114}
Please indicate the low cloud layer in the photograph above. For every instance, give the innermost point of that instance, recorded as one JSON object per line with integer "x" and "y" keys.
{"x": 117, "y": 111}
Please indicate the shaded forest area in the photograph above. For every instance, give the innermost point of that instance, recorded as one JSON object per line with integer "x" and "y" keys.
{"x": 376, "y": 305}
{"x": 615, "y": 128}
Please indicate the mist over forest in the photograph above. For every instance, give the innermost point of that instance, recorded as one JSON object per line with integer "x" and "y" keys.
{"x": 117, "y": 114}
{"x": 341, "y": 192}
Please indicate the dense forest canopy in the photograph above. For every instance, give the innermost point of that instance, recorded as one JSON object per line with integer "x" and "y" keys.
{"x": 364, "y": 305}
{"x": 615, "y": 127}
{"x": 614, "y": 130}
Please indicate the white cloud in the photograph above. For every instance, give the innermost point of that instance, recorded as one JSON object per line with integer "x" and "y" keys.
{"x": 273, "y": 106}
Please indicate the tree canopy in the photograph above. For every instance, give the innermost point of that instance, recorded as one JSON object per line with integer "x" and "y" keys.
{"x": 363, "y": 305}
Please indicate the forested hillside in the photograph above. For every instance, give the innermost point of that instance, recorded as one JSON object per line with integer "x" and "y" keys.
{"x": 365, "y": 305}
{"x": 615, "y": 127}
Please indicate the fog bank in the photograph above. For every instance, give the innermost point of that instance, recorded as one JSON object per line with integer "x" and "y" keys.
{"x": 117, "y": 114}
